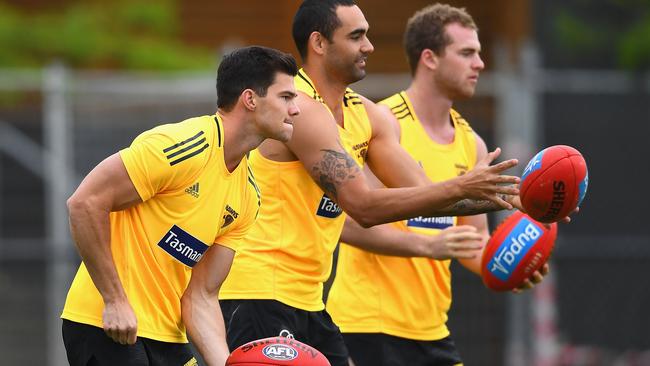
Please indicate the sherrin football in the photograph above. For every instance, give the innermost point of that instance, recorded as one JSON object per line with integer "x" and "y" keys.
{"x": 276, "y": 351}
{"x": 554, "y": 183}
{"x": 518, "y": 247}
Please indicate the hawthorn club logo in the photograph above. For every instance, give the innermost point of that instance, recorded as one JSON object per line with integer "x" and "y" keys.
{"x": 229, "y": 217}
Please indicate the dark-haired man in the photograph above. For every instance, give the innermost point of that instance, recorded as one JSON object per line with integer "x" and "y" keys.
{"x": 145, "y": 219}
{"x": 276, "y": 282}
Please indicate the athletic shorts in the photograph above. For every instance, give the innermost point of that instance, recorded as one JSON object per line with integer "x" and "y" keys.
{"x": 378, "y": 349}
{"x": 87, "y": 345}
{"x": 249, "y": 320}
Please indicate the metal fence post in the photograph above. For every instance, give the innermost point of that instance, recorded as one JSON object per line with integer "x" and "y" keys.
{"x": 58, "y": 163}
{"x": 516, "y": 131}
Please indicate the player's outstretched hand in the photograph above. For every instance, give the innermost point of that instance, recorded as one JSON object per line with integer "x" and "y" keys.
{"x": 120, "y": 322}
{"x": 534, "y": 279}
{"x": 454, "y": 242}
{"x": 485, "y": 181}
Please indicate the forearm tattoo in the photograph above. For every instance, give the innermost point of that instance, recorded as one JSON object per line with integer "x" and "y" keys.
{"x": 334, "y": 168}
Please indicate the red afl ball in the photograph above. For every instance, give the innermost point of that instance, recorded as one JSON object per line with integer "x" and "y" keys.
{"x": 518, "y": 247}
{"x": 276, "y": 351}
{"x": 554, "y": 183}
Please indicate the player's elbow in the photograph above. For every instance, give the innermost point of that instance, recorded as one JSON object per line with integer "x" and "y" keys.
{"x": 186, "y": 301}
{"x": 362, "y": 213}
{"x": 365, "y": 220}
{"x": 77, "y": 205}
{"x": 198, "y": 292}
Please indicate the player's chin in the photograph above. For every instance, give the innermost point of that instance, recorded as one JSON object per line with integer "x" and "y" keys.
{"x": 465, "y": 93}
{"x": 357, "y": 74}
{"x": 286, "y": 133}
{"x": 469, "y": 90}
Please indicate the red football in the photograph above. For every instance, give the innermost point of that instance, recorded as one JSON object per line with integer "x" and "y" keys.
{"x": 518, "y": 247}
{"x": 276, "y": 351}
{"x": 554, "y": 183}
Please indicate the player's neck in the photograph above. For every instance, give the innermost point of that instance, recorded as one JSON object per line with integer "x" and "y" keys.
{"x": 238, "y": 139}
{"x": 431, "y": 106}
{"x": 329, "y": 88}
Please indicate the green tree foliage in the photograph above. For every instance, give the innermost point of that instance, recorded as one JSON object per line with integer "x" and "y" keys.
{"x": 617, "y": 30}
{"x": 113, "y": 34}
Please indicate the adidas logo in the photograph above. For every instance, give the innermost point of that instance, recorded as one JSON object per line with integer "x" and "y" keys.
{"x": 193, "y": 190}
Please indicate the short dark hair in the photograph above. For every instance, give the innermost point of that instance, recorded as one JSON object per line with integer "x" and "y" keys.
{"x": 253, "y": 67}
{"x": 316, "y": 16}
{"x": 426, "y": 30}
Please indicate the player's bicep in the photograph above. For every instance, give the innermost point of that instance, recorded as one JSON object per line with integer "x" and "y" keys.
{"x": 481, "y": 147}
{"x": 316, "y": 143}
{"x": 108, "y": 186}
{"x": 386, "y": 157}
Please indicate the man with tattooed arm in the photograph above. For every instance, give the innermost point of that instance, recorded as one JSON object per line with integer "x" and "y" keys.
{"x": 276, "y": 282}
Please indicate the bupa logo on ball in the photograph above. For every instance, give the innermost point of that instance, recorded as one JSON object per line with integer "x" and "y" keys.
{"x": 280, "y": 352}
{"x": 513, "y": 248}
{"x": 534, "y": 164}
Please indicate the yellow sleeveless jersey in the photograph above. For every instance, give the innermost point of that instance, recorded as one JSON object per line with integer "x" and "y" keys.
{"x": 404, "y": 297}
{"x": 288, "y": 253}
{"x": 190, "y": 201}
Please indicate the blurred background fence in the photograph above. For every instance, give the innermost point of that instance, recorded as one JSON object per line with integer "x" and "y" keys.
{"x": 57, "y": 122}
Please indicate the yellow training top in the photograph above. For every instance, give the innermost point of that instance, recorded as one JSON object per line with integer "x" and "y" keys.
{"x": 190, "y": 201}
{"x": 404, "y": 297}
{"x": 288, "y": 253}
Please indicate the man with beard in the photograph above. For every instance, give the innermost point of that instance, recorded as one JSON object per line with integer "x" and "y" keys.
{"x": 276, "y": 282}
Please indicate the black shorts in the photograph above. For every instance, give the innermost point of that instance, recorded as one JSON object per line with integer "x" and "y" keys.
{"x": 87, "y": 345}
{"x": 378, "y": 349}
{"x": 248, "y": 320}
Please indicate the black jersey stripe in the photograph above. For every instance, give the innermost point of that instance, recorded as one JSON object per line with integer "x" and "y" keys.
{"x": 462, "y": 121}
{"x": 407, "y": 108}
{"x": 185, "y": 157}
{"x": 399, "y": 106}
{"x": 315, "y": 94}
{"x": 303, "y": 77}
{"x": 404, "y": 114}
{"x": 182, "y": 142}
{"x": 185, "y": 149}
{"x": 251, "y": 178}
{"x": 250, "y": 171}
{"x": 257, "y": 190}
{"x": 396, "y": 112}
{"x": 404, "y": 100}
{"x": 357, "y": 102}
{"x": 216, "y": 120}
